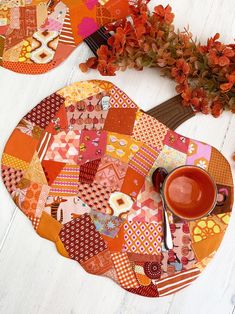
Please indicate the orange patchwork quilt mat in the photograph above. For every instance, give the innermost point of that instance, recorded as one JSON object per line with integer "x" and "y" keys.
{"x": 37, "y": 35}
{"x": 79, "y": 166}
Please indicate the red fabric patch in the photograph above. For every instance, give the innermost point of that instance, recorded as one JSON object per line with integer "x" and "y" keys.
{"x": 99, "y": 263}
{"x": 45, "y": 111}
{"x": 146, "y": 291}
{"x": 59, "y": 122}
{"x": 120, "y": 120}
{"x": 176, "y": 141}
{"x": 95, "y": 196}
{"x": 11, "y": 177}
{"x": 92, "y": 145}
{"x": 52, "y": 169}
{"x": 81, "y": 240}
{"x": 88, "y": 171}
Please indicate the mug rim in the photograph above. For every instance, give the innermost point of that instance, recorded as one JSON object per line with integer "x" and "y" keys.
{"x": 172, "y": 210}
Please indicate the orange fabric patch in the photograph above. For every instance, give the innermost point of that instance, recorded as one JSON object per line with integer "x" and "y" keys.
{"x": 143, "y": 238}
{"x": 49, "y": 228}
{"x": 52, "y": 169}
{"x": 61, "y": 249}
{"x": 17, "y": 144}
{"x": 133, "y": 182}
{"x": 149, "y": 130}
{"x": 29, "y": 204}
{"x": 143, "y": 160}
{"x": 120, "y": 120}
{"x": 115, "y": 244}
{"x": 29, "y": 68}
{"x": 99, "y": 263}
{"x": 219, "y": 168}
{"x": 125, "y": 273}
{"x": 59, "y": 122}
{"x": 204, "y": 248}
{"x": 78, "y": 13}
{"x": 121, "y": 147}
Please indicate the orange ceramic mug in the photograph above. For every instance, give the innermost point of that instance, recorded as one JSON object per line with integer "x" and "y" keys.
{"x": 190, "y": 192}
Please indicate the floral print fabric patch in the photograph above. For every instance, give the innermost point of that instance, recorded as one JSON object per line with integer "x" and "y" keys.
{"x": 79, "y": 166}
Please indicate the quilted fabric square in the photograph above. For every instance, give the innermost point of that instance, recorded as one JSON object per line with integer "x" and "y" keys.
{"x": 89, "y": 113}
{"x": 120, "y": 120}
{"x": 64, "y": 147}
{"x": 121, "y": 146}
{"x": 89, "y": 190}
{"x": 125, "y": 273}
{"x": 30, "y": 128}
{"x": 100, "y": 263}
{"x": 96, "y": 196}
{"x": 66, "y": 182}
{"x": 177, "y": 282}
{"x": 111, "y": 172}
{"x": 81, "y": 239}
{"x": 176, "y": 141}
{"x": 219, "y": 169}
{"x": 106, "y": 224}
{"x": 143, "y": 238}
{"x": 88, "y": 171}
{"x": 11, "y": 177}
{"x": 65, "y": 208}
{"x": 170, "y": 158}
{"x": 15, "y": 150}
{"x": 92, "y": 145}
{"x": 143, "y": 160}
{"x": 198, "y": 154}
{"x": 45, "y": 111}
{"x": 132, "y": 183}
{"x": 149, "y": 131}
{"x": 182, "y": 256}
{"x": 148, "y": 205}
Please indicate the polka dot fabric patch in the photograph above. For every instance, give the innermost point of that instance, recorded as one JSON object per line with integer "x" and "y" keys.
{"x": 79, "y": 167}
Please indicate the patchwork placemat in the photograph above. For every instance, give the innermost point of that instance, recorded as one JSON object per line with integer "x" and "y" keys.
{"x": 36, "y": 36}
{"x": 79, "y": 166}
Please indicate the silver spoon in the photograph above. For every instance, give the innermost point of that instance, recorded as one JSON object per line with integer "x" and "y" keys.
{"x": 158, "y": 178}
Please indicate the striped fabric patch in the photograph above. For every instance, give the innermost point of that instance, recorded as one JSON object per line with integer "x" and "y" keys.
{"x": 177, "y": 282}
{"x": 66, "y": 183}
{"x": 88, "y": 171}
{"x": 97, "y": 39}
{"x": 42, "y": 149}
{"x": 143, "y": 160}
{"x": 66, "y": 35}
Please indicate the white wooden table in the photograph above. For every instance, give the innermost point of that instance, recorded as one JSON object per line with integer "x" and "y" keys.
{"x": 34, "y": 278}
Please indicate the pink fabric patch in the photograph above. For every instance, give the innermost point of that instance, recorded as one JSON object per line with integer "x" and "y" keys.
{"x": 63, "y": 147}
{"x": 181, "y": 257}
{"x": 198, "y": 154}
{"x": 176, "y": 141}
{"x": 87, "y": 27}
{"x": 148, "y": 206}
{"x": 92, "y": 145}
{"x": 51, "y": 25}
{"x": 91, "y": 4}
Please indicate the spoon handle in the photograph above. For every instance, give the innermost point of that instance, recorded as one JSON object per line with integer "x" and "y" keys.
{"x": 168, "y": 242}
